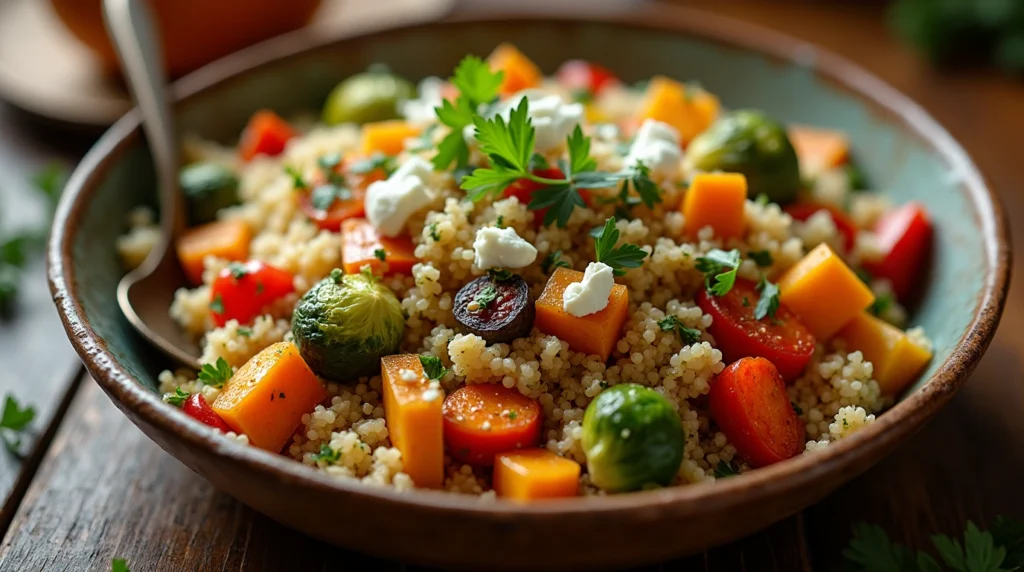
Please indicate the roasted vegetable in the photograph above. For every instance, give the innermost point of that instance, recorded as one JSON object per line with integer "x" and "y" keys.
{"x": 532, "y": 474}
{"x": 227, "y": 239}
{"x": 632, "y": 438}
{"x": 717, "y": 200}
{"x": 266, "y": 134}
{"x": 519, "y": 71}
{"x": 498, "y": 311}
{"x": 208, "y": 187}
{"x": 366, "y": 97}
{"x": 484, "y": 419}
{"x": 242, "y": 290}
{"x": 413, "y": 412}
{"x": 595, "y": 333}
{"x": 905, "y": 238}
{"x": 267, "y": 397}
{"x": 751, "y": 143}
{"x": 749, "y": 404}
{"x": 690, "y": 110}
{"x": 362, "y": 245}
{"x": 345, "y": 323}
{"x": 896, "y": 358}
{"x": 823, "y": 291}
{"x": 197, "y": 408}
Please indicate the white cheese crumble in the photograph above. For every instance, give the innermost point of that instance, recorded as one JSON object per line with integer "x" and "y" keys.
{"x": 657, "y": 146}
{"x": 501, "y": 248}
{"x": 553, "y": 119}
{"x": 391, "y": 202}
{"x": 421, "y": 109}
{"x": 408, "y": 375}
{"x": 591, "y": 295}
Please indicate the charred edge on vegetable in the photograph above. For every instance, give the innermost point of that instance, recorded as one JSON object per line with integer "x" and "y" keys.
{"x": 509, "y": 315}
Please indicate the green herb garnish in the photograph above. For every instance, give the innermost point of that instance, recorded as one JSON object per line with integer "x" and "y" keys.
{"x": 216, "y": 375}
{"x": 768, "y": 304}
{"x": 724, "y": 470}
{"x": 477, "y": 85}
{"x": 245, "y": 332}
{"x": 485, "y": 296}
{"x": 500, "y": 274}
{"x": 881, "y": 304}
{"x": 323, "y": 196}
{"x": 237, "y": 270}
{"x": 432, "y": 367}
{"x": 177, "y": 398}
{"x": 799, "y": 410}
{"x": 435, "y": 234}
{"x": 762, "y": 258}
{"x": 380, "y": 254}
{"x": 688, "y": 336}
{"x": 14, "y": 422}
{"x": 327, "y": 455}
{"x": 217, "y": 304}
{"x": 119, "y": 565}
{"x": 719, "y": 268}
{"x": 298, "y": 181}
{"x": 386, "y": 163}
{"x": 625, "y": 256}
{"x": 553, "y": 260}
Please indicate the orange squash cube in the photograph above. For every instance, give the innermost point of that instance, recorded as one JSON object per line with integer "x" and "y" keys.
{"x": 717, "y": 200}
{"x": 594, "y": 334}
{"x": 896, "y": 358}
{"x": 689, "y": 110}
{"x": 823, "y": 291}
{"x": 361, "y": 244}
{"x": 819, "y": 149}
{"x": 520, "y": 72}
{"x": 530, "y": 474}
{"x": 267, "y": 397}
{"x": 387, "y": 137}
{"x": 414, "y": 418}
{"x": 227, "y": 239}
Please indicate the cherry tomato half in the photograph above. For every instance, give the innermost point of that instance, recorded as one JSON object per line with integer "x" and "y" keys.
{"x": 905, "y": 236}
{"x": 242, "y": 290}
{"x": 197, "y": 408}
{"x": 266, "y": 134}
{"x": 784, "y": 339}
{"x": 749, "y": 404}
{"x": 341, "y": 209}
{"x": 523, "y": 190}
{"x": 845, "y": 226}
{"x": 581, "y": 75}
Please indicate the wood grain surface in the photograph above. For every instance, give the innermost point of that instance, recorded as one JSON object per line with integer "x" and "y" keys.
{"x": 104, "y": 490}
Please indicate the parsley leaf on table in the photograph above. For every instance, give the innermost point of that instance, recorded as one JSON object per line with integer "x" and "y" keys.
{"x": 1009, "y": 534}
{"x": 688, "y": 336}
{"x": 216, "y": 375}
{"x": 768, "y": 304}
{"x": 14, "y": 422}
{"x": 433, "y": 367}
{"x": 119, "y": 565}
{"x": 981, "y": 554}
{"x": 719, "y": 268}
{"x": 625, "y": 256}
{"x": 477, "y": 85}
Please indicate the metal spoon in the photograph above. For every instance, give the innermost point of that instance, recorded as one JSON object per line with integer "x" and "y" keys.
{"x": 146, "y": 293}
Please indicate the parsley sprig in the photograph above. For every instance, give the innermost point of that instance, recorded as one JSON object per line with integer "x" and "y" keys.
{"x": 432, "y": 367}
{"x": 620, "y": 258}
{"x": 719, "y": 268}
{"x": 768, "y": 303}
{"x": 217, "y": 374}
{"x": 477, "y": 86}
{"x": 688, "y": 336}
{"x": 178, "y": 398}
{"x": 997, "y": 550}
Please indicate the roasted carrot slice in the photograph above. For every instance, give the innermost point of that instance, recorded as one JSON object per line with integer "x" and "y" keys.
{"x": 594, "y": 334}
{"x": 749, "y": 404}
{"x": 413, "y": 413}
{"x": 483, "y": 420}
{"x": 227, "y": 239}
{"x": 532, "y": 474}
{"x": 362, "y": 245}
{"x": 267, "y": 397}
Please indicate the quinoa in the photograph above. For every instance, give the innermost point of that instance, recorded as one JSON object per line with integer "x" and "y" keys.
{"x": 347, "y": 437}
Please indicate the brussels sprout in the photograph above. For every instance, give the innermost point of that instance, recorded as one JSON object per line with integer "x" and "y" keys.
{"x": 366, "y": 97}
{"x": 345, "y": 323}
{"x": 632, "y": 439}
{"x": 208, "y": 187}
{"x": 751, "y": 143}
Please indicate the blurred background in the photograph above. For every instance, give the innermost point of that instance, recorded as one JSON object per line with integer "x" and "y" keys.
{"x": 59, "y": 89}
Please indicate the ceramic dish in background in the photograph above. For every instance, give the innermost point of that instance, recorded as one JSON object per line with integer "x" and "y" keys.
{"x": 899, "y": 145}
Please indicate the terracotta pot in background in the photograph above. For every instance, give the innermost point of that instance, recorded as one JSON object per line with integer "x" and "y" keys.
{"x": 194, "y": 32}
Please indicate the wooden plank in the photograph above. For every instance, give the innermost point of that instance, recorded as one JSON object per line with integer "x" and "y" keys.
{"x": 39, "y": 366}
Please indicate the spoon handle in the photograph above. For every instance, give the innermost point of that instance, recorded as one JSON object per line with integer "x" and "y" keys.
{"x": 131, "y": 26}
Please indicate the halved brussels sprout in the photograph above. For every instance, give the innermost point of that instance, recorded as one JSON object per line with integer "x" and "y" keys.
{"x": 345, "y": 323}
{"x": 208, "y": 187}
{"x": 632, "y": 438}
{"x": 367, "y": 97}
{"x": 751, "y": 143}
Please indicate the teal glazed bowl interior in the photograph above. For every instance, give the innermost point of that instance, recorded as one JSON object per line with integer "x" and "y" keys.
{"x": 902, "y": 149}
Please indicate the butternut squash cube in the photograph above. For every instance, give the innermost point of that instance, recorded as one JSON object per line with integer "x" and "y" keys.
{"x": 716, "y": 200}
{"x": 415, "y": 422}
{"x": 520, "y": 72}
{"x": 387, "y": 137}
{"x": 823, "y": 291}
{"x": 595, "y": 333}
{"x": 819, "y": 149}
{"x": 529, "y": 474}
{"x": 227, "y": 239}
{"x": 689, "y": 110}
{"x": 267, "y": 397}
{"x": 896, "y": 358}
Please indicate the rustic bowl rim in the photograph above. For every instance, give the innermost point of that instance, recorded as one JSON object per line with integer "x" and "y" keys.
{"x": 849, "y": 456}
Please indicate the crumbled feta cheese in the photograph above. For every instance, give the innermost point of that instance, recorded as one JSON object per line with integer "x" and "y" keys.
{"x": 408, "y": 375}
{"x": 391, "y": 202}
{"x": 657, "y": 146}
{"x": 501, "y": 248}
{"x": 421, "y": 109}
{"x": 553, "y": 119}
{"x": 591, "y": 295}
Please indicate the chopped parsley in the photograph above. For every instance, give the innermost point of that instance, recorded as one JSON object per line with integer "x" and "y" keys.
{"x": 553, "y": 260}
{"x": 478, "y": 85}
{"x": 178, "y": 398}
{"x": 329, "y": 162}
{"x": 244, "y": 332}
{"x": 386, "y": 163}
{"x": 500, "y": 274}
{"x": 768, "y": 304}
{"x": 725, "y": 470}
{"x": 688, "y": 336}
{"x": 719, "y": 268}
{"x": 380, "y": 254}
{"x": 761, "y": 199}
{"x": 500, "y": 223}
{"x": 881, "y": 304}
{"x": 336, "y": 275}
{"x": 625, "y": 256}
{"x": 327, "y": 454}
{"x": 435, "y": 234}
{"x": 237, "y": 270}
{"x": 217, "y": 304}
{"x": 799, "y": 410}
{"x": 15, "y": 422}
{"x": 864, "y": 276}
{"x": 512, "y": 415}
{"x": 216, "y": 375}
{"x": 432, "y": 367}
{"x": 485, "y": 296}
{"x": 762, "y": 258}
{"x": 298, "y": 181}
{"x": 323, "y": 196}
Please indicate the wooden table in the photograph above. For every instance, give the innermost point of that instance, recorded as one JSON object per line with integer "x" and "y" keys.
{"x": 94, "y": 488}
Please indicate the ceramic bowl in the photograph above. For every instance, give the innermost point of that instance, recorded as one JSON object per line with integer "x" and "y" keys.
{"x": 901, "y": 147}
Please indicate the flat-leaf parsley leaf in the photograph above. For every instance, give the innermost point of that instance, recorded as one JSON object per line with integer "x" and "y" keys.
{"x": 625, "y": 256}
{"x": 688, "y": 336}
{"x": 768, "y": 304}
{"x": 432, "y": 367}
{"x": 216, "y": 375}
{"x": 719, "y": 268}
